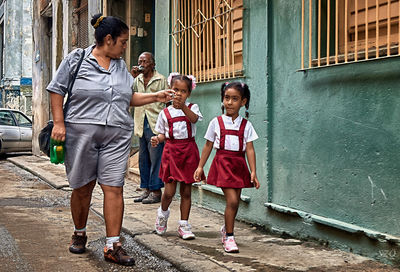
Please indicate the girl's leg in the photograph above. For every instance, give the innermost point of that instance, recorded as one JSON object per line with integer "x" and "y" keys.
{"x": 232, "y": 197}
{"x": 169, "y": 192}
{"x": 186, "y": 199}
{"x": 163, "y": 211}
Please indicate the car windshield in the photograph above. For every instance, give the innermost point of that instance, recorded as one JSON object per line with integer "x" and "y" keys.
{"x": 23, "y": 121}
{"x": 6, "y": 118}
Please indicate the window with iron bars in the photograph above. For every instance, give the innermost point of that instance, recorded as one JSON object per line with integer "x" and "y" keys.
{"x": 206, "y": 38}
{"x": 83, "y": 29}
{"x": 342, "y": 31}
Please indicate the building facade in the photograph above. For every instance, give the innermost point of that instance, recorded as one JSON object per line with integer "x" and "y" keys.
{"x": 16, "y": 55}
{"x": 324, "y": 94}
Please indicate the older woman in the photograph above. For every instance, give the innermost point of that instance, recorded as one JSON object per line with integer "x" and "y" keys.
{"x": 97, "y": 129}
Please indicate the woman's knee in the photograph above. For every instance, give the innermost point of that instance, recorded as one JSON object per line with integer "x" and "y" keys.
{"x": 112, "y": 191}
{"x": 85, "y": 191}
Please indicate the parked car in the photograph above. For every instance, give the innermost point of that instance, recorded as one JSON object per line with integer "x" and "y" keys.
{"x": 15, "y": 131}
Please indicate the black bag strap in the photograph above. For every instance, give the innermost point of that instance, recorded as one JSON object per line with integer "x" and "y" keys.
{"x": 71, "y": 84}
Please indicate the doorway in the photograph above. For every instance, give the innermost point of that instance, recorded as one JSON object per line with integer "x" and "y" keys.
{"x": 139, "y": 16}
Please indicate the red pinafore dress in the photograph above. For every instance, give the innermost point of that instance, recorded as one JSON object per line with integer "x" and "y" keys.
{"x": 180, "y": 157}
{"x": 229, "y": 168}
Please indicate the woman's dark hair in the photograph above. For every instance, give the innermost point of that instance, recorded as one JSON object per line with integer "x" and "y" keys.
{"x": 185, "y": 79}
{"x": 105, "y": 25}
{"x": 242, "y": 88}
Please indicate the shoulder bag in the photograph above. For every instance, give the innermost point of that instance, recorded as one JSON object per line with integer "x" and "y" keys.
{"x": 45, "y": 133}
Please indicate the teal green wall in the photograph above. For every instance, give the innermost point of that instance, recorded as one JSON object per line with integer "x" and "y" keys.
{"x": 329, "y": 139}
{"x": 335, "y": 133}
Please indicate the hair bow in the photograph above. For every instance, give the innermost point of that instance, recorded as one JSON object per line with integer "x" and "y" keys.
{"x": 171, "y": 75}
{"x": 193, "y": 79}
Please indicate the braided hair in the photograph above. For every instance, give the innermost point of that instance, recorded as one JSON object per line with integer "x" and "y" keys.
{"x": 242, "y": 88}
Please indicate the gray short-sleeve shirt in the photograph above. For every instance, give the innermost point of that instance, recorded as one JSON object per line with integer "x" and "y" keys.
{"x": 99, "y": 96}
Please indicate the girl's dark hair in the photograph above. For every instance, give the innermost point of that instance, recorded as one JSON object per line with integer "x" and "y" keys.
{"x": 107, "y": 25}
{"x": 242, "y": 88}
{"x": 185, "y": 79}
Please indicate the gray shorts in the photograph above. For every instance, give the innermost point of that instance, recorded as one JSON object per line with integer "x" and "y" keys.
{"x": 96, "y": 152}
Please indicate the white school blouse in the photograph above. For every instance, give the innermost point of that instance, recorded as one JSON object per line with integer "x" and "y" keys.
{"x": 231, "y": 141}
{"x": 179, "y": 128}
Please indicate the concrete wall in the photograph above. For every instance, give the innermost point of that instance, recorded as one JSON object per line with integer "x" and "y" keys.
{"x": 17, "y": 62}
{"x": 327, "y": 156}
{"x": 334, "y": 136}
{"x": 41, "y": 72}
{"x": 12, "y": 42}
{"x": 94, "y": 7}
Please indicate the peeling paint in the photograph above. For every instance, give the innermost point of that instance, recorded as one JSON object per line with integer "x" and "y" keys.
{"x": 17, "y": 61}
{"x": 372, "y": 190}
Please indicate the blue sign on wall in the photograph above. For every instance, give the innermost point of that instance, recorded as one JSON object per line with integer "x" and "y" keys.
{"x": 26, "y": 81}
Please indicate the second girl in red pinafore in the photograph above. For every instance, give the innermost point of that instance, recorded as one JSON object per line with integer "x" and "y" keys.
{"x": 232, "y": 136}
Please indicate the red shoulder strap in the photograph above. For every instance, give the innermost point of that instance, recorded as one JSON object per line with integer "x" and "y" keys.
{"x": 170, "y": 123}
{"x": 222, "y": 133}
{"x": 241, "y": 133}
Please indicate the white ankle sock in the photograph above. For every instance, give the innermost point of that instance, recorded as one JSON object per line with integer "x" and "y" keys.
{"x": 110, "y": 241}
{"x": 80, "y": 231}
{"x": 163, "y": 213}
{"x": 183, "y": 222}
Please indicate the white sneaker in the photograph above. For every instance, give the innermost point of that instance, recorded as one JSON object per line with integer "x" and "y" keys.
{"x": 161, "y": 223}
{"x": 185, "y": 232}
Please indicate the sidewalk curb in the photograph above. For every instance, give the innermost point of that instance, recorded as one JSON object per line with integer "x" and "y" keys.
{"x": 37, "y": 173}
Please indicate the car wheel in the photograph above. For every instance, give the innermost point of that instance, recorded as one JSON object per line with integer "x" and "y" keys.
{"x": 2, "y": 155}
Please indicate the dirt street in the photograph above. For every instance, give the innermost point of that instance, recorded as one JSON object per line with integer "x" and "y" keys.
{"x": 35, "y": 230}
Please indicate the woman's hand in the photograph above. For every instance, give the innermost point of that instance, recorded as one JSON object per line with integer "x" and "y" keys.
{"x": 165, "y": 95}
{"x": 58, "y": 132}
{"x": 254, "y": 180}
{"x": 198, "y": 174}
{"x": 154, "y": 141}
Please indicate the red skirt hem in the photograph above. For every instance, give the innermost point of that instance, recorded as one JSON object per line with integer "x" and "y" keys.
{"x": 229, "y": 170}
{"x": 179, "y": 161}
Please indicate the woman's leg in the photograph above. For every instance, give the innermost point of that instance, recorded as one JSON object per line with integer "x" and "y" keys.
{"x": 186, "y": 199}
{"x": 232, "y": 197}
{"x": 80, "y": 203}
{"x": 169, "y": 192}
{"x": 113, "y": 208}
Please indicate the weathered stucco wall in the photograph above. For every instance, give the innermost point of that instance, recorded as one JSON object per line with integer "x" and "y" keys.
{"x": 12, "y": 42}
{"x": 16, "y": 84}
{"x": 26, "y": 32}
{"x": 329, "y": 138}
{"x": 41, "y": 72}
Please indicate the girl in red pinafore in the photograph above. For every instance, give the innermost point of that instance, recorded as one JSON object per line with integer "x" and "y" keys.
{"x": 233, "y": 137}
{"x": 176, "y": 126}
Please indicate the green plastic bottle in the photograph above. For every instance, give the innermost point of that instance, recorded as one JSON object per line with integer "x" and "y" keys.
{"x": 57, "y": 153}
